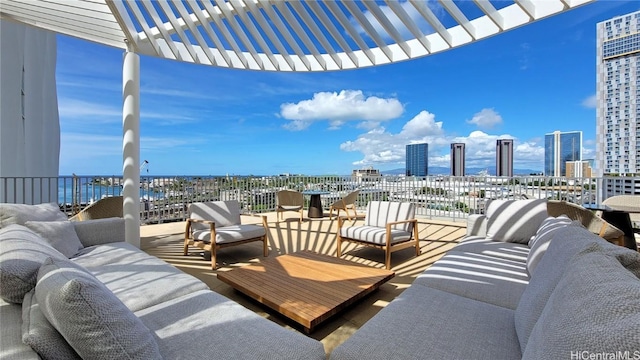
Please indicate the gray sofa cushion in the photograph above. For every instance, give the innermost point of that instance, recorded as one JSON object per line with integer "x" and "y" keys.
{"x": 205, "y": 325}
{"x": 567, "y": 243}
{"x": 11, "y": 345}
{"x": 21, "y": 213}
{"x": 60, "y": 234}
{"x": 480, "y": 277}
{"x": 571, "y": 240}
{"x": 89, "y": 316}
{"x": 23, "y": 252}
{"x": 499, "y": 249}
{"x": 594, "y": 309}
{"x": 540, "y": 242}
{"x": 38, "y": 332}
{"x": 100, "y": 231}
{"x": 138, "y": 279}
{"x": 426, "y": 323}
{"x": 515, "y": 220}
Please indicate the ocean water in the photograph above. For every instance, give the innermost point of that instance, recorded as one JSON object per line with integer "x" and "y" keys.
{"x": 88, "y": 191}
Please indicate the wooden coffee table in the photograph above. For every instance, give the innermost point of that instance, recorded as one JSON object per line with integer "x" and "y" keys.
{"x": 306, "y": 287}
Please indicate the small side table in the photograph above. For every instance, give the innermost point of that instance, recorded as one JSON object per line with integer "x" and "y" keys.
{"x": 315, "y": 203}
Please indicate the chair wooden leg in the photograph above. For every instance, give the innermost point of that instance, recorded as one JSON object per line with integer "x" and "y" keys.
{"x": 301, "y": 215}
{"x": 339, "y": 246}
{"x": 415, "y": 235}
{"x": 186, "y": 247}
{"x": 265, "y": 246}
{"x": 387, "y": 259}
{"x": 213, "y": 257}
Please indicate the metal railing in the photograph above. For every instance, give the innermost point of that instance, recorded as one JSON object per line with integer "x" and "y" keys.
{"x": 165, "y": 198}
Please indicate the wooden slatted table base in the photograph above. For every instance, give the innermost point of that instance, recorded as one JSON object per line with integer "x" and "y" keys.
{"x": 306, "y": 287}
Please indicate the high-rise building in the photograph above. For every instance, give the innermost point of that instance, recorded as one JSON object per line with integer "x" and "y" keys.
{"x": 457, "y": 159}
{"x": 504, "y": 157}
{"x": 618, "y": 94}
{"x": 559, "y": 148}
{"x": 578, "y": 169}
{"x": 417, "y": 163}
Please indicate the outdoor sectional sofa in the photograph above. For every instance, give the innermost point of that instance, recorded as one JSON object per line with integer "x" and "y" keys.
{"x": 77, "y": 290}
{"x": 520, "y": 285}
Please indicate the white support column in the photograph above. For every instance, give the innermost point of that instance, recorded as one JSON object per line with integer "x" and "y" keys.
{"x": 131, "y": 146}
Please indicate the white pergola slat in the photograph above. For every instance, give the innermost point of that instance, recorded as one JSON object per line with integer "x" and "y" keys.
{"x": 283, "y": 35}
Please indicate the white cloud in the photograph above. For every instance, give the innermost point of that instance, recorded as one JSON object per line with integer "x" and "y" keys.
{"x": 590, "y": 102}
{"x": 94, "y": 112}
{"x": 421, "y": 126}
{"x": 525, "y": 50}
{"x": 72, "y": 108}
{"x": 380, "y": 146}
{"x": 486, "y": 119}
{"x": 409, "y": 9}
{"x": 337, "y": 108}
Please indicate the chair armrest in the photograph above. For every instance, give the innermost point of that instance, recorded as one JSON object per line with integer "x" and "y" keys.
{"x": 100, "y": 231}
{"x": 476, "y": 225}
{"x": 262, "y": 217}
{"x": 341, "y": 219}
{"x": 401, "y": 222}
{"x": 212, "y": 224}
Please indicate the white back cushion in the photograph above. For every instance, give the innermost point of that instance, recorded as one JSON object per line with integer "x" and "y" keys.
{"x": 379, "y": 213}
{"x": 515, "y": 220}
{"x": 223, "y": 213}
{"x": 21, "y": 213}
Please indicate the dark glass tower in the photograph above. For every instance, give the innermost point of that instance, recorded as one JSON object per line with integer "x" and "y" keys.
{"x": 417, "y": 160}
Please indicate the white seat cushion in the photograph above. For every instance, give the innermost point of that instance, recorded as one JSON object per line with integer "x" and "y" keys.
{"x": 374, "y": 234}
{"x": 230, "y": 234}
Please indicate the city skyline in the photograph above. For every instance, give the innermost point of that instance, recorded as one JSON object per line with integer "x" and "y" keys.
{"x": 507, "y": 86}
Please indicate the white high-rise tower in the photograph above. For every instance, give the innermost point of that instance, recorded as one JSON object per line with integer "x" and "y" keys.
{"x": 618, "y": 96}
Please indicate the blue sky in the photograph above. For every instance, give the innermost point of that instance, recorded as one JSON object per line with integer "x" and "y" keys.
{"x": 200, "y": 120}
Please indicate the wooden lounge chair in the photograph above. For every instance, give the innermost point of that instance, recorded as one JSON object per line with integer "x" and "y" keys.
{"x": 346, "y": 203}
{"x": 289, "y": 200}
{"x": 216, "y": 225}
{"x": 589, "y": 220}
{"x": 390, "y": 226}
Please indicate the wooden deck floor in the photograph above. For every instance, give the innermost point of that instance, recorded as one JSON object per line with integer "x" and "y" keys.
{"x": 437, "y": 237}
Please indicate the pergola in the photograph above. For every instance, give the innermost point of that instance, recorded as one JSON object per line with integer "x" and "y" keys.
{"x": 268, "y": 35}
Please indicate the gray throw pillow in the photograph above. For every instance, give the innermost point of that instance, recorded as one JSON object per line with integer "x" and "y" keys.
{"x": 23, "y": 252}
{"x": 89, "y": 316}
{"x": 38, "y": 332}
{"x": 593, "y": 310}
{"x": 515, "y": 220}
{"x": 21, "y": 213}
{"x": 540, "y": 241}
{"x": 60, "y": 234}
